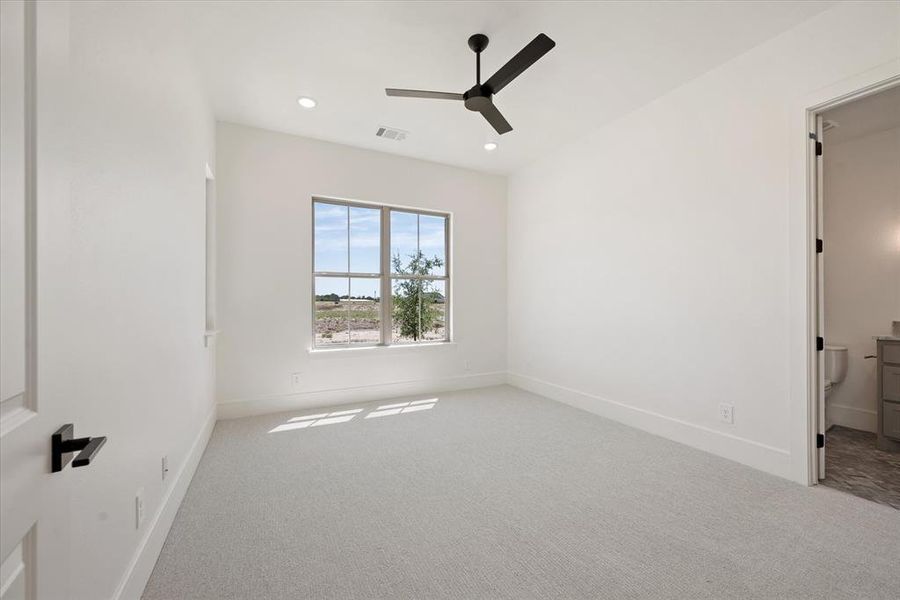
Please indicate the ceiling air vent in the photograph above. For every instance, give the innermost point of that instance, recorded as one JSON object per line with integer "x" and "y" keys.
{"x": 391, "y": 133}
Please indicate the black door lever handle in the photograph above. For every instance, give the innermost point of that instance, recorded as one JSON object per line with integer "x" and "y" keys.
{"x": 90, "y": 451}
{"x": 63, "y": 443}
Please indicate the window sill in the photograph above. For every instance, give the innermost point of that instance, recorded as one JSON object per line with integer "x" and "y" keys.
{"x": 347, "y": 352}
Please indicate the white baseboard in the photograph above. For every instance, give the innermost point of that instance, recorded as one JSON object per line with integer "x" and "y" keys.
{"x": 234, "y": 409}
{"x": 852, "y": 417}
{"x": 141, "y": 566}
{"x": 759, "y": 456}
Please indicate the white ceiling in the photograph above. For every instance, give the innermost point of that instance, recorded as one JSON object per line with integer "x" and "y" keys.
{"x": 868, "y": 115}
{"x": 256, "y": 58}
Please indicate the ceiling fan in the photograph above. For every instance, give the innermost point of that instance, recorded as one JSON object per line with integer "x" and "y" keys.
{"x": 478, "y": 97}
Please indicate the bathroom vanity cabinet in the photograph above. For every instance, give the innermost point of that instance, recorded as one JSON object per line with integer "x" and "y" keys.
{"x": 888, "y": 394}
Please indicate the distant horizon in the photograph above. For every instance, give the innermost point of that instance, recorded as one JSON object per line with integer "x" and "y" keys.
{"x": 331, "y": 296}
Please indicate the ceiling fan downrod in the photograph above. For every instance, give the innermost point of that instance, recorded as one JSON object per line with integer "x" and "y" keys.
{"x": 477, "y": 43}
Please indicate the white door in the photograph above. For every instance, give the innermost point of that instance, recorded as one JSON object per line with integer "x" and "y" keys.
{"x": 34, "y": 503}
{"x": 820, "y": 298}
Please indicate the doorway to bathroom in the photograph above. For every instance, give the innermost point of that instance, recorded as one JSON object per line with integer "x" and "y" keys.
{"x": 856, "y": 178}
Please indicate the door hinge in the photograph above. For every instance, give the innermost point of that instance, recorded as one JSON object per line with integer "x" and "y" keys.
{"x": 814, "y": 137}
{"x": 820, "y": 440}
{"x": 820, "y": 246}
{"x": 820, "y": 344}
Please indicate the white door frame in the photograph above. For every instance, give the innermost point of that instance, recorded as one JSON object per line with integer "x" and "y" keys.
{"x": 806, "y": 377}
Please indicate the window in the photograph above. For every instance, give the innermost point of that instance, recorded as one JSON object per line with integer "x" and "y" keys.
{"x": 380, "y": 275}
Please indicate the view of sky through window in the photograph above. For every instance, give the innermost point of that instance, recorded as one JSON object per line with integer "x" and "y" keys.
{"x": 359, "y": 252}
{"x": 347, "y": 239}
{"x": 412, "y": 232}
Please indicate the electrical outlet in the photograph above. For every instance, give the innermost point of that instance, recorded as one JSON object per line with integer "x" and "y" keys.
{"x": 165, "y": 467}
{"x": 726, "y": 413}
{"x": 139, "y": 508}
{"x": 296, "y": 379}
{"x": 467, "y": 366}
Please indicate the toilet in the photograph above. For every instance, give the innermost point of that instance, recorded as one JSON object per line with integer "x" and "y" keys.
{"x": 835, "y": 367}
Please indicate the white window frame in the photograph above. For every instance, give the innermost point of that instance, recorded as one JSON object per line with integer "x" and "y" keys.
{"x": 386, "y": 276}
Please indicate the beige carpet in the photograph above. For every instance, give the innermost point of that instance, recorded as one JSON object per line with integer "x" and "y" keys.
{"x": 498, "y": 493}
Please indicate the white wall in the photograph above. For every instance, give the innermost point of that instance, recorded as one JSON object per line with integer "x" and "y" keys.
{"x": 648, "y": 261}
{"x": 121, "y": 279}
{"x": 862, "y": 263}
{"x": 265, "y": 182}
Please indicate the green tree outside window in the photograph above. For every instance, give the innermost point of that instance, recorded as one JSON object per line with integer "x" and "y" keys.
{"x": 414, "y": 300}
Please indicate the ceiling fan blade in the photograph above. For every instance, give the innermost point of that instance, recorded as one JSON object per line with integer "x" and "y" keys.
{"x": 526, "y": 57}
{"x": 496, "y": 119}
{"x": 423, "y": 94}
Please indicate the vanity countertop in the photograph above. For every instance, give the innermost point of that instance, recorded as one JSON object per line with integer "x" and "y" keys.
{"x": 886, "y": 338}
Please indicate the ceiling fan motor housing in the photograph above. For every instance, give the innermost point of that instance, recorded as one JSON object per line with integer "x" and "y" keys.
{"x": 477, "y": 97}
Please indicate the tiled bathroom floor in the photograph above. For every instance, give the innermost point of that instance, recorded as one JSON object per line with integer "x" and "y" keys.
{"x": 853, "y": 464}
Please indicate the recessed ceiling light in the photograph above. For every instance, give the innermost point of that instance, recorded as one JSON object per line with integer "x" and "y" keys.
{"x": 306, "y": 102}
{"x": 490, "y": 146}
